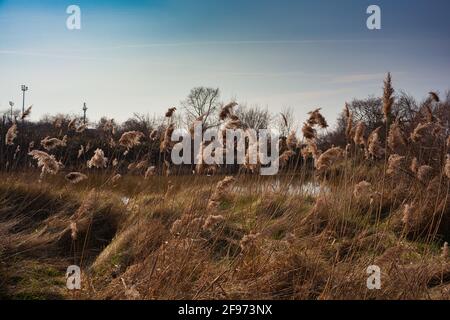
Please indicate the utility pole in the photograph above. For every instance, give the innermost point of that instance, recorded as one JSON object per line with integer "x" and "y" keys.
{"x": 84, "y": 110}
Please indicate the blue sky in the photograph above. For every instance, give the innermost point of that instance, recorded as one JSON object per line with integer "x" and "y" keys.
{"x": 144, "y": 56}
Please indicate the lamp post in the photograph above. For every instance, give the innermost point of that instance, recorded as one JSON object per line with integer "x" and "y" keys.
{"x": 84, "y": 111}
{"x": 11, "y": 104}
{"x": 24, "y": 89}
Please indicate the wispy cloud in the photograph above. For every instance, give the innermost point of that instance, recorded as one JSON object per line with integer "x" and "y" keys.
{"x": 354, "y": 78}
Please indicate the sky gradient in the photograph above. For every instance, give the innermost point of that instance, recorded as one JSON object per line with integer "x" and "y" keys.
{"x": 144, "y": 56}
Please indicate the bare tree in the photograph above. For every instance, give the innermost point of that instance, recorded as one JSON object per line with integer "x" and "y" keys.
{"x": 254, "y": 117}
{"x": 202, "y": 103}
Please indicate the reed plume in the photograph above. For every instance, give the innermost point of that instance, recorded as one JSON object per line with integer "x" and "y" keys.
{"x": 388, "y": 98}
{"x": 394, "y": 163}
{"x": 220, "y": 192}
{"x": 26, "y": 113}
{"x": 361, "y": 189}
{"x": 212, "y": 221}
{"x": 170, "y": 112}
{"x": 98, "y": 160}
{"x": 73, "y": 230}
{"x": 327, "y": 158}
{"x": 424, "y": 173}
{"x": 227, "y": 110}
{"x": 75, "y": 177}
{"x": 131, "y": 139}
{"x": 52, "y": 143}
{"x": 248, "y": 241}
{"x": 316, "y": 118}
{"x": 308, "y": 132}
{"x": 349, "y": 121}
{"x": 358, "y": 138}
{"x": 11, "y": 135}
{"x": 46, "y": 162}
{"x": 408, "y": 216}
{"x": 374, "y": 147}
{"x": 434, "y": 96}
{"x": 395, "y": 137}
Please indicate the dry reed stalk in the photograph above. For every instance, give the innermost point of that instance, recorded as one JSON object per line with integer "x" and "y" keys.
{"x": 116, "y": 178}
{"x": 349, "y": 121}
{"x": 81, "y": 128}
{"x": 131, "y": 293}
{"x": 292, "y": 141}
{"x": 233, "y": 123}
{"x": 151, "y": 171}
{"x": 80, "y": 152}
{"x": 72, "y": 126}
{"x": 414, "y": 165}
{"x": 166, "y": 144}
{"x": 154, "y": 134}
{"x": 283, "y": 159}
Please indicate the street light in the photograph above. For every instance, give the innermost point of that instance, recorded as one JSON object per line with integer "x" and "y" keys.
{"x": 24, "y": 89}
{"x": 84, "y": 110}
{"x": 11, "y": 104}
